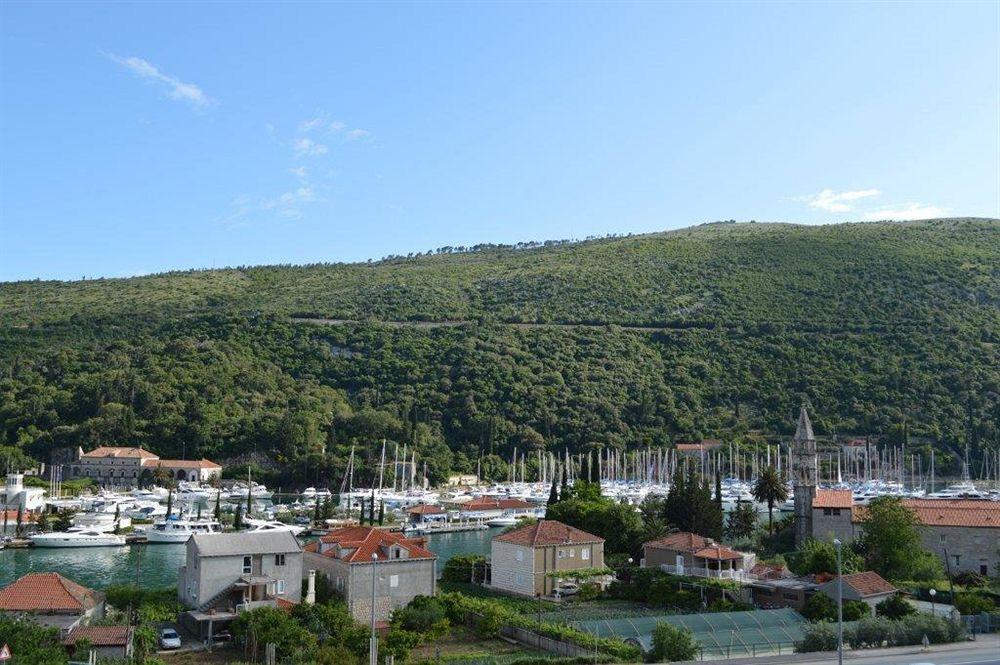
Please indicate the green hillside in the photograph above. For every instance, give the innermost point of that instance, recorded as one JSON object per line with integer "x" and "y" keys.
{"x": 716, "y": 330}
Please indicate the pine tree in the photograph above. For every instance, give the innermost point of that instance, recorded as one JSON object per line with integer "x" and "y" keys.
{"x": 217, "y": 511}
{"x": 381, "y": 513}
{"x": 564, "y": 486}
{"x": 718, "y": 489}
{"x": 676, "y": 507}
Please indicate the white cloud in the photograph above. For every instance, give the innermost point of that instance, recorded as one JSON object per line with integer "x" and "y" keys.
{"x": 832, "y": 201}
{"x": 309, "y": 125}
{"x": 289, "y": 203}
{"x": 905, "y": 211}
{"x": 308, "y": 147}
{"x": 337, "y": 126}
{"x": 356, "y": 134}
{"x": 176, "y": 89}
{"x": 299, "y": 171}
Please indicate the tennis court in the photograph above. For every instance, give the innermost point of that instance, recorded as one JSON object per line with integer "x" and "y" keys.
{"x": 721, "y": 634}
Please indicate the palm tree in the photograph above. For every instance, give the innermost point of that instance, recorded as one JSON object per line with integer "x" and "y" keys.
{"x": 770, "y": 488}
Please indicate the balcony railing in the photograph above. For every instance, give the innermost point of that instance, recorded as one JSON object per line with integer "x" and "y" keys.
{"x": 254, "y": 604}
{"x": 693, "y": 571}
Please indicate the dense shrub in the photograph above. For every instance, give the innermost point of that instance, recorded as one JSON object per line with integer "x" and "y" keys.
{"x": 818, "y": 636}
{"x": 820, "y": 607}
{"x": 895, "y": 607}
{"x": 973, "y": 603}
{"x": 856, "y": 609}
{"x": 423, "y": 614}
{"x": 671, "y": 643}
{"x": 459, "y": 568}
{"x": 970, "y": 578}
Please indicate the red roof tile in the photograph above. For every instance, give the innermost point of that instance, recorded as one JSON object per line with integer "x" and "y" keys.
{"x": 868, "y": 583}
{"x": 100, "y": 636}
{"x": 119, "y": 451}
{"x": 547, "y": 532}
{"x": 47, "y": 592}
{"x": 425, "y": 509}
{"x": 681, "y": 541}
{"x": 718, "y": 553}
{"x": 366, "y": 541}
{"x": 947, "y": 512}
{"x": 488, "y": 503}
{"x": 833, "y": 499}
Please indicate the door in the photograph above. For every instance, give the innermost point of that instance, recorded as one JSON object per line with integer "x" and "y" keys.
{"x": 679, "y": 559}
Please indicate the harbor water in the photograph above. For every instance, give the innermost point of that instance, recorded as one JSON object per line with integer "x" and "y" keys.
{"x": 155, "y": 565}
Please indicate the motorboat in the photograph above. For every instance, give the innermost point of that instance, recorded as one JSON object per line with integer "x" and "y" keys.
{"x": 177, "y": 530}
{"x": 262, "y": 526}
{"x": 99, "y": 522}
{"x": 82, "y": 538}
{"x": 503, "y": 520}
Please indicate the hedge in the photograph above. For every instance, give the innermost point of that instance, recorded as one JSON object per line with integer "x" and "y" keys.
{"x": 490, "y": 616}
{"x": 876, "y": 632}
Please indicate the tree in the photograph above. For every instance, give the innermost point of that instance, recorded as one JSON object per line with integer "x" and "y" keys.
{"x": 742, "y": 521}
{"x": 19, "y": 524}
{"x": 266, "y": 625}
{"x": 118, "y": 514}
{"x": 890, "y": 542}
{"x": 170, "y": 502}
{"x": 672, "y": 644}
{"x": 238, "y": 518}
{"x": 424, "y": 614}
{"x": 553, "y": 493}
{"x": 820, "y": 556}
{"x": 770, "y": 488}
{"x": 820, "y": 607}
{"x": 217, "y": 511}
{"x": 381, "y": 513}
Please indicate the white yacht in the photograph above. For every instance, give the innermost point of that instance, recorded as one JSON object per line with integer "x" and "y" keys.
{"x": 176, "y": 530}
{"x": 503, "y": 520}
{"x": 82, "y": 538}
{"x": 261, "y": 526}
{"x": 99, "y": 522}
{"x": 962, "y": 490}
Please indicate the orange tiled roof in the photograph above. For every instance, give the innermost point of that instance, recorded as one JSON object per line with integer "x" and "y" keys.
{"x": 119, "y": 451}
{"x": 868, "y": 583}
{"x": 833, "y": 499}
{"x": 366, "y": 541}
{"x": 47, "y": 592}
{"x": 184, "y": 464}
{"x": 487, "y": 503}
{"x": 718, "y": 553}
{"x": 947, "y": 512}
{"x": 547, "y": 532}
{"x": 425, "y": 509}
{"x": 682, "y": 541}
{"x": 100, "y": 636}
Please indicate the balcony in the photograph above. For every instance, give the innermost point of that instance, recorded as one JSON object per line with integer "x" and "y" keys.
{"x": 740, "y": 576}
{"x": 254, "y": 604}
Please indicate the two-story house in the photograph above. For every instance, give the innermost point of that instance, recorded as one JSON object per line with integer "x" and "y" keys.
{"x": 527, "y": 561}
{"x": 350, "y": 557}
{"x": 227, "y": 573}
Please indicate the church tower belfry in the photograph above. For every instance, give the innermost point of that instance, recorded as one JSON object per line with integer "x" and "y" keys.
{"x": 803, "y": 477}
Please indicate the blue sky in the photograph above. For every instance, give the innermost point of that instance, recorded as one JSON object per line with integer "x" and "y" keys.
{"x": 149, "y": 137}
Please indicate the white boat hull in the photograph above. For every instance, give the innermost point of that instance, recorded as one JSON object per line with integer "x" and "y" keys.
{"x": 74, "y": 540}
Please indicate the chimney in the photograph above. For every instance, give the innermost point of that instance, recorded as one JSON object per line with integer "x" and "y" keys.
{"x": 311, "y": 588}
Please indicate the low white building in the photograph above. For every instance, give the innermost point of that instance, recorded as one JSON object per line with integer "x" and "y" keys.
{"x": 15, "y": 495}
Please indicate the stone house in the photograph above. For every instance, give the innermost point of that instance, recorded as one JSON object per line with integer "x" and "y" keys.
{"x": 968, "y": 530}
{"x": 868, "y": 587}
{"x": 120, "y": 465}
{"x": 424, "y": 513}
{"x": 227, "y": 573}
{"x": 352, "y": 556}
{"x": 51, "y": 600}
{"x": 687, "y": 553}
{"x": 107, "y": 641}
{"x": 527, "y": 561}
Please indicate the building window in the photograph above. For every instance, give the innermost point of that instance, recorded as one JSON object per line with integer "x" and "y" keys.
{"x": 562, "y": 554}
{"x": 585, "y": 554}
{"x": 340, "y": 583}
{"x": 958, "y": 559}
{"x": 393, "y": 581}
{"x": 944, "y": 539}
{"x": 520, "y": 555}
{"x": 247, "y": 565}
{"x": 836, "y": 511}
{"x": 279, "y": 559}
{"x": 281, "y": 587}
{"x": 572, "y": 552}
{"x": 984, "y": 568}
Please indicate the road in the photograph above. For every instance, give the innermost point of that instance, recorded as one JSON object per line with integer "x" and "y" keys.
{"x": 984, "y": 651}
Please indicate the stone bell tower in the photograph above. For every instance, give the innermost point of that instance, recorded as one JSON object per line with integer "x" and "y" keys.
{"x": 803, "y": 477}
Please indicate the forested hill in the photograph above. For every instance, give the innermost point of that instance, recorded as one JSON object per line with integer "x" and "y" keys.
{"x": 718, "y": 330}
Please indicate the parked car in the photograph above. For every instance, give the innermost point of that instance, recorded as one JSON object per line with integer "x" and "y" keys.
{"x": 222, "y": 636}
{"x": 566, "y": 589}
{"x": 169, "y": 639}
{"x": 302, "y": 519}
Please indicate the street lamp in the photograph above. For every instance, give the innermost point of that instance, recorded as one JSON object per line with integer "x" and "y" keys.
{"x": 933, "y": 593}
{"x": 373, "y": 644}
{"x": 840, "y": 607}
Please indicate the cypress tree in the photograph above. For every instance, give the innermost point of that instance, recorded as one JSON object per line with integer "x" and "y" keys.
{"x": 316, "y": 513}
{"x": 718, "y": 489}
{"x": 553, "y": 493}
{"x": 585, "y": 469}
{"x": 381, "y": 513}
{"x": 563, "y": 485}
{"x": 238, "y": 519}
{"x": 170, "y": 502}
{"x": 217, "y": 512}
{"x": 595, "y": 472}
